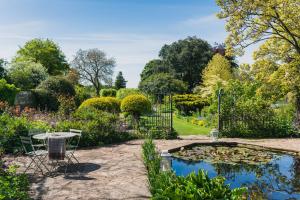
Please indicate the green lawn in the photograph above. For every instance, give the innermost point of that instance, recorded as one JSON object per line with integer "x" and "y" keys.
{"x": 185, "y": 128}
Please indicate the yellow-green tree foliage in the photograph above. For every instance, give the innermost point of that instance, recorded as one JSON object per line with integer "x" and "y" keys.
{"x": 136, "y": 105}
{"x": 216, "y": 74}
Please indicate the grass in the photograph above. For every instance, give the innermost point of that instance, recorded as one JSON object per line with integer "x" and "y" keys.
{"x": 185, "y": 128}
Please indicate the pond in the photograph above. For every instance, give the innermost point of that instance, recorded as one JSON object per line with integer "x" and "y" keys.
{"x": 268, "y": 174}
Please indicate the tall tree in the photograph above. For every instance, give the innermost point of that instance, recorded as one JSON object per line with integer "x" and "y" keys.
{"x": 216, "y": 74}
{"x": 188, "y": 58}
{"x": 45, "y": 52}
{"x": 276, "y": 22}
{"x": 155, "y": 66}
{"x": 120, "y": 81}
{"x": 94, "y": 67}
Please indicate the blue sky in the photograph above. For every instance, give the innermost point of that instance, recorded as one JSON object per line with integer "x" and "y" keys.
{"x": 131, "y": 31}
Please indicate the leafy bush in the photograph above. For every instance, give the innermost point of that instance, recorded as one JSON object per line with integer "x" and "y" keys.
{"x": 45, "y": 100}
{"x": 13, "y": 127}
{"x": 108, "y": 92}
{"x": 124, "y": 92}
{"x": 188, "y": 103}
{"x": 109, "y": 104}
{"x": 136, "y": 105}
{"x": 8, "y": 92}
{"x": 58, "y": 86}
{"x": 166, "y": 185}
{"x": 12, "y": 185}
{"x": 27, "y": 75}
{"x": 82, "y": 94}
{"x": 98, "y": 127}
{"x": 67, "y": 105}
{"x": 244, "y": 113}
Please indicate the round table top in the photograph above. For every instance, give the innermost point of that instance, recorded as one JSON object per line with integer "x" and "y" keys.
{"x": 44, "y": 136}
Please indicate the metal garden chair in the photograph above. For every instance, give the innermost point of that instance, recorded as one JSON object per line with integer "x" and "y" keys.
{"x": 37, "y": 156}
{"x": 72, "y": 146}
{"x": 38, "y": 144}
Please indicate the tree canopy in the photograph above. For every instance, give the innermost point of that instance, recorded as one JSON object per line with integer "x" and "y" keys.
{"x": 45, "y": 52}
{"x": 2, "y": 68}
{"x": 94, "y": 67}
{"x": 188, "y": 58}
{"x": 120, "y": 81}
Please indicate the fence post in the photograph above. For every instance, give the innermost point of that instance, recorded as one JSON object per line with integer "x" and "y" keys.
{"x": 171, "y": 112}
{"x": 219, "y": 109}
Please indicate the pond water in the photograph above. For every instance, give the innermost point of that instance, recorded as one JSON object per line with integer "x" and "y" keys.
{"x": 267, "y": 174}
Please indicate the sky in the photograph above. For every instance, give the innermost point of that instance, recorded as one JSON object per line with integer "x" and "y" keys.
{"x": 131, "y": 31}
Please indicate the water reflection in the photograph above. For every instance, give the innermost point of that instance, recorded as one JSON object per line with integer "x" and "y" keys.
{"x": 277, "y": 179}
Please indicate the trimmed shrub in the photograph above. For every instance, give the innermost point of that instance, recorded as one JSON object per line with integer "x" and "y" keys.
{"x": 8, "y": 91}
{"x": 136, "y": 105}
{"x": 58, "y": 86}
{"x": 188, "y": 103}
{"x": 82, "y": 94}
{"x": 108, "y": 92}
{"x": 124, "y": 92}
{"x": 109, "y": 104}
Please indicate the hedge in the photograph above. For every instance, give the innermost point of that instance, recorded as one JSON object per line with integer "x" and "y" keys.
{"x": 108, "y": 92}
{"x": 109, "y": 104}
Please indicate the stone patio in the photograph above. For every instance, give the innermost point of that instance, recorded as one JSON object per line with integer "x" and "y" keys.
{"x": 117, "y": 171}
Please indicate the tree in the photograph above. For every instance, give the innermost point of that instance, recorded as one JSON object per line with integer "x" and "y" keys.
{"x": 216, "y": 74}
{"x": 221, "y": 49}
{"x": 45, "y": 52}
{"x": 120, "y": 81}
{"x": 188, "y": 58}
{"x": 94, "y": 67}
{"x": 249, "y": 22}
{"x": 27, "y": 75}
{"x": 153, "y": 67}
{"x": 161, "y": 83}
{"x": 276, "y": 22}
{"x": 3, "y": 71}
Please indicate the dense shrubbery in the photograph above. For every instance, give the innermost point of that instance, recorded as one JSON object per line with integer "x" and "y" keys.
{"x": 45, "y": 100}
{"x": 188, "y": 103}
{"x": 82, "y": 94}
{"x": 98, "y": 127}
{"x": 166, "y": 185}
{"x": 12, "y": 185}
{"x": 57, "y": 85}
{"x": 124, "y": 92}
{"x": 108, "y": 92}
{"x": 13, "y": 127}
{"x": 135, "y": 105}
{"x": 109, "y": 104}
{"x": 7, "y": 91}
{"x": 244, "y": 113}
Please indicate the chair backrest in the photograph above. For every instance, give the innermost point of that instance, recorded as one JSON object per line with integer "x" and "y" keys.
{"x": 27, "y": 144}
{"x": 76, "y": 131}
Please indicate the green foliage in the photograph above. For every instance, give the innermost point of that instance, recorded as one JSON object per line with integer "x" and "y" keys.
{"x": 245, "y": 113}
{"x": 3, "y": 71}
{"x": 45, "y": 52}
{"x": 45, "y": 100}
{"x": 82, "y": 93}
{"x": 57, "y": 85}
{"x": 8, "y": 91}
{"x": 120, "y": 81}
{"x": 154, "y": 67}
{"x": 27, "y": 75}
{"x": 161, "y": 83}
{"x": 13, "y": 127}
{"x": 109, "y": 104}
{"x": 12, "y": 185}
{"x": 98, "y": 127}
{"x": 188, "y": 103}
{"x": 136, "y": 105}
{"x": 67, "y": 105}
{"x": 215, "y": 75}
{"x": 166, "y": 185}
{"x": 124, "y": 92}
{"x": 187, "y": 58}
{"x": 108, "y": 92}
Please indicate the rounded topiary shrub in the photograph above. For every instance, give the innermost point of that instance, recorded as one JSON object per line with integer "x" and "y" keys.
{"x": 124, "y": 92}
{"x": 58, "y": 86}
{"x": 108, "y": 92}
{"x": 109, "y": 104}
{"x": 136, "y": 105}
